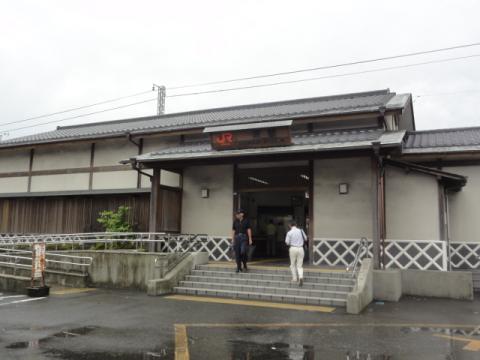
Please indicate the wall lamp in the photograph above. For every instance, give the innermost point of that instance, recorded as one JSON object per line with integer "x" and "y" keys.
{"x": 343, "y": 188}
{"x": 204, "y": 193}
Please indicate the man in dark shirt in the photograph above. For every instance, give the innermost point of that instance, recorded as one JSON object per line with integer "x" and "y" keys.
{"x": 241, "y": 238}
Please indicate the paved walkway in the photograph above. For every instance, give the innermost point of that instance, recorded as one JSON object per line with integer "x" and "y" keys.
{"x": 101, "y": 324}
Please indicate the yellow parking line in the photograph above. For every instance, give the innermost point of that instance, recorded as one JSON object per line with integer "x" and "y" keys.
{"x": 265, "y": 304}
{"x": 68, "y": 291}
{"x": 181, "y": 339}
{"x": 329, "y": 324}
{"x": 181, "y": 343}
{"x": 472, "y": 344}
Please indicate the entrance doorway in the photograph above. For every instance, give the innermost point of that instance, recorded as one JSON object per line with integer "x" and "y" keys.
{"x": 272, "y": 196}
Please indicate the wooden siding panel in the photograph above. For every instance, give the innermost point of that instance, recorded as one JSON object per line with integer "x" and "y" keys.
{"x": 76, "y": 214}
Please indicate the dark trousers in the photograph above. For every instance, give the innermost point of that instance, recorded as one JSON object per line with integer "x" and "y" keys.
{"x": 240, "y": 247}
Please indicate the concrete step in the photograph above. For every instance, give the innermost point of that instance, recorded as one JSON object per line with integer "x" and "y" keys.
{"x": 292, "y": 299}
{"x": 316, "y": 278}
{"x": 276, "y": 271}
{"x": 272, "y": 283}
{"x": 300, "y": 291}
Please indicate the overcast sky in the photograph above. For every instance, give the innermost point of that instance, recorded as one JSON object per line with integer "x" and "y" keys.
{"x": 56, "y": 55}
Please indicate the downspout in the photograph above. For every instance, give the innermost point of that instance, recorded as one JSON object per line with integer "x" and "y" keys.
{"x": 447, "y": 227}
{"x": 139, "y": 145}
{"x": 379, "y": 208}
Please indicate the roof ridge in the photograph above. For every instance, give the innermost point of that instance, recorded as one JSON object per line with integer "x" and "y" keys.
{"x": 443, "y": 130}
{"x": 235, "y": 107}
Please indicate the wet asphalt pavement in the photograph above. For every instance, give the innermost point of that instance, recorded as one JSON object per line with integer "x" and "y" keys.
{"x": 104, "y": 324}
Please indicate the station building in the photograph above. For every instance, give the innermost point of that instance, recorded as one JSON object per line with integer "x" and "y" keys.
{"x": 344, "y": 167}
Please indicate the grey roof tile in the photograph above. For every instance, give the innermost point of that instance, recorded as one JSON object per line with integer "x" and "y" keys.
{"x": 454, "y": 139}
{"x": 319, "y": 106}
{"x": 320, "y": 141}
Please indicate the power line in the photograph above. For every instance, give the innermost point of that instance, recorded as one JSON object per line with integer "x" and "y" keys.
{"x": 449, "y": 93}
{"x": 258, "y": 86}
{"x": 82, "y": 115}
{"x": 76, "y": 108}
{"x": 251, "y": 78}
{"x": 358, "y": 62}
{"x": 325, "y": 77}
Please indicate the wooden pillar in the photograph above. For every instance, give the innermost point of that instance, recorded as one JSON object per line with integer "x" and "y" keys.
{"x": 30, "y": 168}
{"x": 311, "y": 204}
{"x": 153, "y": 223}
{"x": 92, "y": 163}
{"x": 236, "y": 195}
{"x": 376, "y": 182}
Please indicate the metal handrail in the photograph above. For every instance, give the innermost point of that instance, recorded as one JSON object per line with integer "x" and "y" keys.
{"x": 361, "y": 252}
{"x": 193, "y": 240}
{"x": 83, "y": 261}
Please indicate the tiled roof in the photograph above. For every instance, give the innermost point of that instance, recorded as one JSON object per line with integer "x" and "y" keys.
{"x": 443, "y": 140}
{"x": 321, "y": 141}
{"x": 319, "y": 106}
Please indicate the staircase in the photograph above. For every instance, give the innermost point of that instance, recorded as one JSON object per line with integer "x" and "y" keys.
{"x": 319, "y": 288}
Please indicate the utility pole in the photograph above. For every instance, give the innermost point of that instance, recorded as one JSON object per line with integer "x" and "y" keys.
{"x": 161, "y": 92}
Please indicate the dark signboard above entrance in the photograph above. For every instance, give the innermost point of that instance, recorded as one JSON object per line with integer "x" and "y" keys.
{"x": 255, "y": 135}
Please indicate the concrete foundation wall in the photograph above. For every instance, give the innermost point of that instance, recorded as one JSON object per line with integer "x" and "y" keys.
{"x": 412, "y": 206}
{"x": 464, "y": 206}
{"x": 61, "y": 182}
{"x": 343, "y": 216}
{"x": 123, "y": 268}
{"x": 387, "y": 284}
{"x": 362, "y": 294}
{"x": 390, "y": 285}
{"x": 212, "y": 215}
{"x": 62, "y": 157}
{"x": 442, "y": 284}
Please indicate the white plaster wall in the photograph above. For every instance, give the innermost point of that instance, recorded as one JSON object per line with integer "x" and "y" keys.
{"x": 153, "y": 144}
{"x": 63, "y": 182}
{"x": 61, "y": 157}
{"x": 111, "y": 152}
{"x": 212, "y": 215}
{"x": 412, "y": 205}
{"x": 13, "y": 184}
{"x": 167, "y": 178}
{"x": 14, "y": 160}
{"x": 343, "y": 216}
{"x": 465, "y": 206}
{"x": 114, "y": 180}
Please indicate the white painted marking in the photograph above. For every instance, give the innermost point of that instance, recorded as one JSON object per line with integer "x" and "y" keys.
{"x": 22, "y": 301}
{"x": 11, "y": 296}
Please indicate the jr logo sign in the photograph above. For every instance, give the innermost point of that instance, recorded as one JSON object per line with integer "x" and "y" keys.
{"x": 225, "y": 139}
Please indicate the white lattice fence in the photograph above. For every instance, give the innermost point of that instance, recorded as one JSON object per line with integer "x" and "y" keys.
{"x": 465, "y": 255}
{"x": 336, "y": 252}
{"x": 402, "y": 254}
{"x": 216, "y": 246}
{"x": 415, "y": 254}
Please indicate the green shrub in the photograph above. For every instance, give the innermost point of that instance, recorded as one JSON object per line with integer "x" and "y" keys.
{"x": 115, "y": 221}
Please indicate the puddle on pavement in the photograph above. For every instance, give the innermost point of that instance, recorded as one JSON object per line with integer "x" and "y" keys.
{"x": 42, "y": 344}
{"x": 245, "y": 350}
{"x": 471, "y": 332}
{"x": 35, "y": 344}
{"x": 81, "y": 355}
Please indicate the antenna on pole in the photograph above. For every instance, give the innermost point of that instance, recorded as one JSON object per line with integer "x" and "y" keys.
{"x": 161, "y": 92}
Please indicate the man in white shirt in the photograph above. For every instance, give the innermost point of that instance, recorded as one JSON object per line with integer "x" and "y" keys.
{"x": 295, "y": 239}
